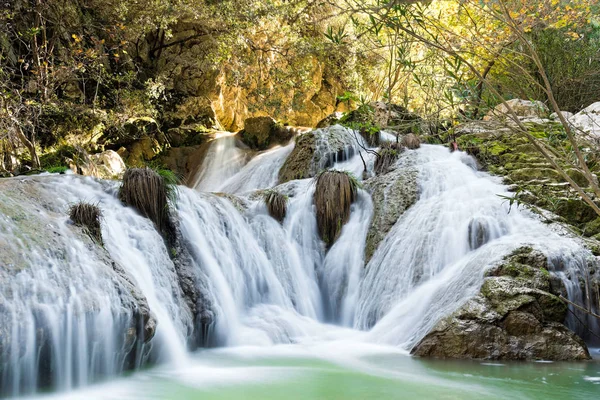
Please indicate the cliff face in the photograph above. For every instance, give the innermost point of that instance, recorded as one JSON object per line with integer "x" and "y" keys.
{"x": 102, "y": 77}
{"x": 268, "y": 77}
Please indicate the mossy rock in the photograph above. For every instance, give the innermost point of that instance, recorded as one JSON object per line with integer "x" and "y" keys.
{"x": 512, "y": 156}
{"x": 298, "y": 164}
{"x": 260, "y": 133}
{"x": 515, "y": 316}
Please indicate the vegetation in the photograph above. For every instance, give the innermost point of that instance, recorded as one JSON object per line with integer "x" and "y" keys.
{"x": 89, "y": 217}
{"x": 276, "y": 204}
{"x": 334, "y": 194}
{"x": 148, "y": 192}
{"x": 140, "y": 78}
{"x": 387, "y": 156}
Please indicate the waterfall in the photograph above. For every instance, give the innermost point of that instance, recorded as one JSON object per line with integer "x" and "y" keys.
{"x": 222, "y": 161}
{"x": 436, "y": 255}
{"x": 72, "y": 319}
{"x": 72, "y": 312}
{"x": 260, "y": 173}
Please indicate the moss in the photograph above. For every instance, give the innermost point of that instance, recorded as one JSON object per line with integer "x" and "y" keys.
{"x": 57, "y": 157}
{"x": 496, "y": 149}
{"x": 57, "y": 170}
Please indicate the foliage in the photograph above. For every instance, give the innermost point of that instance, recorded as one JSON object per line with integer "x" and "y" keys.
{"x": 276, "y": 204}
{"x": 89, "y": 217}
{"x": 146, "y": 191}
{"x": 334, "y": 194}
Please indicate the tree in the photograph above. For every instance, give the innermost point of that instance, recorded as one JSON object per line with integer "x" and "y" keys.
{"x": 475, "y": 36}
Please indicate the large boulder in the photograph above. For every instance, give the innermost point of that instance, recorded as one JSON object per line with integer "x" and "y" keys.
{"x": 588, "y": 120}
{"x": 522, "y": 108}
{"x": 262, "y": 132}
{"x": 109, "y": 165}
{"x": 392, "y": 193}
{"x": 515, "y": 316}
{"x": 318, "y": 150}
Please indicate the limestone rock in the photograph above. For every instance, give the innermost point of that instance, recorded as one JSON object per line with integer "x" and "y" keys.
{"x": 318, "y": 150}
{"x": 393, "y": 193}
{"x": 145, "y": 149}
{"x": 109, "y": 165}
{"x": 262, "y": 132}
{"x": 523, "y": 108}
{"x": 330, "y": 120}
{"x": 567, "y": 115}
{"x": 515, "y": 316}
{"x": 588, "y": 120}
{"x": 298, "y": 163}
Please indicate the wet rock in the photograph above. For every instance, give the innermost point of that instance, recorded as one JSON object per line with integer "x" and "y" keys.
{"x": 504, "y": 152}
{"x": 262, "y": 132}
{"x": 330, "y": 120}
{"x": 298, "y": 164}
{"x": 392, "y": 193}
{"x": 515, "y": 316}
{"x": 411, "y": 141}
{"x": 318, "y": 150}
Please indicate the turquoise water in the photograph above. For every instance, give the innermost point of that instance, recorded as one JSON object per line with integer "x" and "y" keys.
{"x": 346, "y": 370}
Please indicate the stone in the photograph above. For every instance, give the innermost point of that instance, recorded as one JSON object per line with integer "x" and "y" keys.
{"x": 109, "y": 165}
{"x": 393, "y": 193}
{"x": 143, "y": 150}
{"x": 515, "y": 316}
{"x": 411, "y": 141}
{"x": 588, "y": 120}
{"x": 318, "y": 150}
{"x": 262, "y": 132}
{"x": 330, "y": 120}
{"x": 298, "y": 164}
{"x": 567, "y": 115}
{"x": 522, "y": 108}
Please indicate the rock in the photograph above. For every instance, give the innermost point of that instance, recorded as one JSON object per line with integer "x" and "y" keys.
{"x": 330, "y": 120}
{"x": 588, "y": 120}
{"x": 185, "y": 162}
{"x": 515, "y": 316}
{"x": 109, "y": 165}
{"x": 298, "y": 164}
{"x": 143, "y": 150}
{"x": 392, "y": 193}
{"x": 523, "y": 108}
{"x": 506, "y": 153}
{"x": 411, "y": 141}
{"x": 49, "y": 243}
{"x": 318, "y": 150}
{"x": 262, "y": 132}
{"x": 567, "y": 115}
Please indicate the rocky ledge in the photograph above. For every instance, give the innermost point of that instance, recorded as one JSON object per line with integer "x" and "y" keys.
{"x": 517, "y": 315}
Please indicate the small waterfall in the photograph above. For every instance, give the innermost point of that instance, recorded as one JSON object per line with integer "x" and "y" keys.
{"x": 72, "y": 318}
{"x": 261, "y": 172}
{"x": 435, "y": 257}
{"x": 222, "y": 161}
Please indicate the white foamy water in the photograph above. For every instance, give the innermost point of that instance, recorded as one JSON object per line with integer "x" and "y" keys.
{"x": 265, "y": 283}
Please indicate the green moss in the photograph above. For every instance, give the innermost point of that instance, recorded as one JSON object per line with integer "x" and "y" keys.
{"x": 57, "y": 157}
{"x": 496, "y": 149}
{"x": 57, "y": 170}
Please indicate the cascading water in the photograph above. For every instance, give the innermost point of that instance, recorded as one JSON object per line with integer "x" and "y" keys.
{"x": 436, "y": 255}
{"x": 222, "y": 161}
{"x": 73, "y": 320}
{"x": 265, "y": 282}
